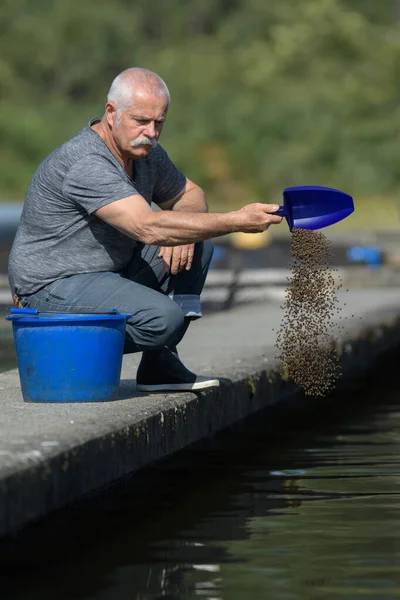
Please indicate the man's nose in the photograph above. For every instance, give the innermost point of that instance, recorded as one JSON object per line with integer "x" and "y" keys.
{"x": 150, "y": 130}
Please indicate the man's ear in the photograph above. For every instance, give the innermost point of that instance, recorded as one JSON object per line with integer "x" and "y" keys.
{"x": 111, "y": 113}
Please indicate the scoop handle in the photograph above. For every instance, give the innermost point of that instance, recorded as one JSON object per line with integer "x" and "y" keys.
{"x": 281, "y": 212}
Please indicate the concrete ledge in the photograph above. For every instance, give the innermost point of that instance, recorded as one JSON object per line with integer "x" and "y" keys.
{"x": 53, "y": 454}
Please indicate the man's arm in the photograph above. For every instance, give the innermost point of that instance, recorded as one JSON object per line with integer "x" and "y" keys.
{"x": 190, "y": 199}
{"x": 135, "y": 218}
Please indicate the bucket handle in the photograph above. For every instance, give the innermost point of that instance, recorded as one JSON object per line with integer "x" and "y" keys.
{"x": 24, "y": 311}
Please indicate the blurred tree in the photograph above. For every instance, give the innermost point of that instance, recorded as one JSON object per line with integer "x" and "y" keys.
{"x": 264, "y": 95}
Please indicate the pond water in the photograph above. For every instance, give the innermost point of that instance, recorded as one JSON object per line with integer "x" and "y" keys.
{"x": 278, "y": 509}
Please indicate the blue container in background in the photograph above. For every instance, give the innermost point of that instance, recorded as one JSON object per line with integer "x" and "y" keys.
{"x": 372, "y": 256}
{"x": 66, "y": 357}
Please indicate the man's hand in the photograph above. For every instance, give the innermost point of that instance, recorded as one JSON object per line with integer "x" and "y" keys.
{"x": 177, "y": 258}
{"x": 257, "y": 217}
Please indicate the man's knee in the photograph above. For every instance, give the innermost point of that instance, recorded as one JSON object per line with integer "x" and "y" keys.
{"x": 172, "y": 322}
{"x": 161, "y": 327}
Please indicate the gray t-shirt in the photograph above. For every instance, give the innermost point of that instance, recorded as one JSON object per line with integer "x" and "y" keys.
{"x": 58, "y": 235}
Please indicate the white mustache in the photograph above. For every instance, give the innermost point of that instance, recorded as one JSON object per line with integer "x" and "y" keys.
{"x": 143, "y": 140}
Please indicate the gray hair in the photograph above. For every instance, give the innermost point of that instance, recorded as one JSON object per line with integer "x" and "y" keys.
{"x": 124, "y": 86}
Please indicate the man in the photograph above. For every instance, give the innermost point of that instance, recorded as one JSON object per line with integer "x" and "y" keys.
{"x": 89, "y": 240}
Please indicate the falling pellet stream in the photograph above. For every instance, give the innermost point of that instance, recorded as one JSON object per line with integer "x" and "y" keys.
{"x": 305, "y": 341}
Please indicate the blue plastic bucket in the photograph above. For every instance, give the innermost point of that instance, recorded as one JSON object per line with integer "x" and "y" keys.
{"x": 65, "y": 357}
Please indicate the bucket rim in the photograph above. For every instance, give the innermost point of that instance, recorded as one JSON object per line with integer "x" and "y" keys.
{"x": 34, "y": 316}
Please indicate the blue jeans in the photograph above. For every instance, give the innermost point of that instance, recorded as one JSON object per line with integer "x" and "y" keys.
{"x": 161, "y": 304}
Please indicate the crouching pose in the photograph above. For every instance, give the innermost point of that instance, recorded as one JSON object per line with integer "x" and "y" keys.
{"x": 89, "y": 239}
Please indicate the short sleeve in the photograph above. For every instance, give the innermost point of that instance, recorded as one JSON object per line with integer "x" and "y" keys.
{"x": 93, "y": 181}
{"x": 170, "y": 181}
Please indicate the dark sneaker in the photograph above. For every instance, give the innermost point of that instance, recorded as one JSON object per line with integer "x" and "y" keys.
{"x": 163, "y": 371}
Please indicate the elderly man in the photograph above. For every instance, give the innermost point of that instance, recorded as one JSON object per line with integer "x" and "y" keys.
{"x": 89, "y": 240}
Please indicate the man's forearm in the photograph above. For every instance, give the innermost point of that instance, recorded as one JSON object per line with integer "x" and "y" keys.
{"x": 167, "y": 229}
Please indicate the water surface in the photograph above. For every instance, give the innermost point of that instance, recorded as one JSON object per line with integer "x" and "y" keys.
{"x": 308, "y": 509}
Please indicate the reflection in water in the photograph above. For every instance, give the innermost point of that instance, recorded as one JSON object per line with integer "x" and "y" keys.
{"x": 312, "y": 513}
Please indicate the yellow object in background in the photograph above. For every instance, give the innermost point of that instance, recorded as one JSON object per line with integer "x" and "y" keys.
{"x": 250, "y": 241}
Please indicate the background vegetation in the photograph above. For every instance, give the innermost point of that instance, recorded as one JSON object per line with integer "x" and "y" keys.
{"x": 265, "y": 94}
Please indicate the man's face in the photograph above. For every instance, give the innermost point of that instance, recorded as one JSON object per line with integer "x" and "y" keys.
{"x": 136, "y": 129}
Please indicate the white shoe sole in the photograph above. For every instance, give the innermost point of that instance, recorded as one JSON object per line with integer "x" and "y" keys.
{"x": 178, "y": 387}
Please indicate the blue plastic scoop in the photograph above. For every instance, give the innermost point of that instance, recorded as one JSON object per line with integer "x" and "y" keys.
{"x": 314, "y": 207}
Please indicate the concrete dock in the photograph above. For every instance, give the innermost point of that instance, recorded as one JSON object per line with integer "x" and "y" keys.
{"x": 53, "y": 454}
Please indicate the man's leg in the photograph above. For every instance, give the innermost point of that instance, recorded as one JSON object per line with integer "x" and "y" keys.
{"x": 161, "y": 369}
{"x": 156, "y": 320}
{"x": 184, "y": 288}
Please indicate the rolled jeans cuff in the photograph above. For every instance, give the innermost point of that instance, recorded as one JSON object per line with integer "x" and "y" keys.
{"x": 189, "y": 303}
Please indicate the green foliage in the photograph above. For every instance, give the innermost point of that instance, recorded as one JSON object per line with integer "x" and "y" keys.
{"x": 264, "y": 94}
